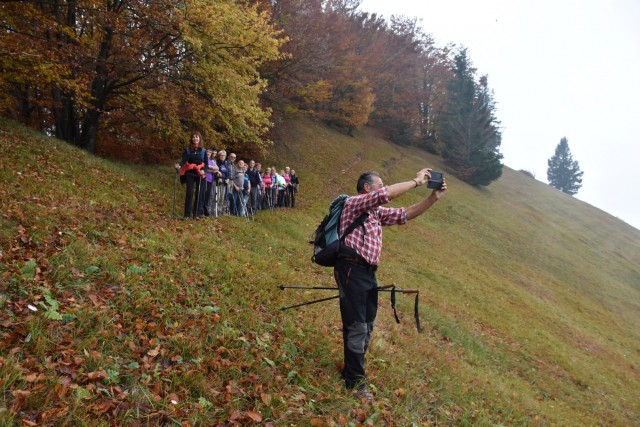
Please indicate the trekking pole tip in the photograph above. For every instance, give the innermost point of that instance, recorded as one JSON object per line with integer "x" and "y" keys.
{"x": 281, "y": 287}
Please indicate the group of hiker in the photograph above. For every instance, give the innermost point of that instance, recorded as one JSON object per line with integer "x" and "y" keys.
{"x": 217, "y": 184}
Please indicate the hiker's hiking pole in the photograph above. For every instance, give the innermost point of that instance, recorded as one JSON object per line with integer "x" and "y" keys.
{"x": 198, "y": 185}
{"x": 386, "y": 288}
{"x": 215, "y": 198}
{"x": 175, "y": 184}
{"x": 324, "y": 288}
{"x": 309, "y": 302}
{"x": 392, "y": 288}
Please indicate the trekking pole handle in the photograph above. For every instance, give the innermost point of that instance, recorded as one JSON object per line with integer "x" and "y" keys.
{"x": 392, "y": 288}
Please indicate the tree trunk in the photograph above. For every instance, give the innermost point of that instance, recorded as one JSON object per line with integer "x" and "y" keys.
{"x": 64, "y": 114}
{"x": 89, "y": 132}
{"x": 99, "y": 94}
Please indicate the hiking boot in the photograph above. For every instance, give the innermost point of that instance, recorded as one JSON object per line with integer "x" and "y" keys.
{"x": 363, "y": 395}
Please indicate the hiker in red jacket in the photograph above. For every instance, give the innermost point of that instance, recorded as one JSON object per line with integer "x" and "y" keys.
{"x": 192, "y": 172}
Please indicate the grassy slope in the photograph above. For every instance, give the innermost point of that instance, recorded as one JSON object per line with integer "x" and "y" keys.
{"x": 530, "y": 299}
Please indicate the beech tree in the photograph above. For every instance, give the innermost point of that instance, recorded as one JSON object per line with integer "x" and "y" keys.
{"x": 563, "y": 172}
{"x": 134, "y": 70}
{"x": 437, "y": 71}
{"x": 340, "y": 60}
{"x": 394, "y": 67}
{"x": 298, "y": 80}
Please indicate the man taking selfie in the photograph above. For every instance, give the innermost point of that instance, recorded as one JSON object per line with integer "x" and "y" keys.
{"x": 355, "y": 269}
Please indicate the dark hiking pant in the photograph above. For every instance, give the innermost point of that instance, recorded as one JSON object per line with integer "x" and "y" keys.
{"x": 209, "y": 195}
{"x": 236, "y": 206}
{"x": 291, "y": 192}
{"x": 191, "y": 201}
{"x": 358, "y": 308}
{"x": 253, "y": 199}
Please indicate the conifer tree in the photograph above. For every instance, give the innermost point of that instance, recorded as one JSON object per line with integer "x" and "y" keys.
{"x": 564, "y": 173}
{"x": 468, "y": 127}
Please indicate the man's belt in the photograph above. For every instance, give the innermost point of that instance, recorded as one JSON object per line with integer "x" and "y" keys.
{"x": 359, "y": 261}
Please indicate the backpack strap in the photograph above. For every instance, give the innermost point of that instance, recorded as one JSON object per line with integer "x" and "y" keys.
{"x": 356, "y": 223}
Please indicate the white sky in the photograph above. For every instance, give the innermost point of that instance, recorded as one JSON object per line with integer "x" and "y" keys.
{"x": 558, "y": 68}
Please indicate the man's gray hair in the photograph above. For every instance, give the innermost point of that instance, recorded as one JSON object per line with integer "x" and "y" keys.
{"x": 364, "y": 178}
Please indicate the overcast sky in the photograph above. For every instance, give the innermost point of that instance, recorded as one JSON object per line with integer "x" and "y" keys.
{"x": 558, "y": 68}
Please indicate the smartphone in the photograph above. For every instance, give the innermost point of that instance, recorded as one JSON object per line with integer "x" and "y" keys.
{"x": 435, "y": 182}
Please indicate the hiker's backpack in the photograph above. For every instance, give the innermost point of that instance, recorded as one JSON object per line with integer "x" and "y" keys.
{"x": 326, "y": 241}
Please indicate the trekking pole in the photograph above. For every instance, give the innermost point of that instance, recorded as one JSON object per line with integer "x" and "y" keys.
{"x": 215, "y": 199}
{"x": 198, "y": 184}
{"x": 283, "y": 287}
{"x": 322, "y": 288}
{"x": 175, "y": 184}
{"x": 272, "y": 202}
{"x": 309, "y": 302}
{"x": 251, "y": 205}
{"x": 385, "y": 288}
{"x": 392, "y": 288}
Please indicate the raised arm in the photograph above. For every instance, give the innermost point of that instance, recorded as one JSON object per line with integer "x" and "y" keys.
{"x": 420, "y": 207}
{"x": 400, "y": 188}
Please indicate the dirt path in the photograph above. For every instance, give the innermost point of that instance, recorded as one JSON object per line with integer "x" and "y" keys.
{"x": 332, "y": 187}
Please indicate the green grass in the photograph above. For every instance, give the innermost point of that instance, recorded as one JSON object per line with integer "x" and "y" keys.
{"x": 529, "y": 298}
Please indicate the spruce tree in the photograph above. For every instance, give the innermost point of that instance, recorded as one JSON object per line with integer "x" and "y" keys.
{"x": 468, "y": 127}
{"x": 564, "y": 173}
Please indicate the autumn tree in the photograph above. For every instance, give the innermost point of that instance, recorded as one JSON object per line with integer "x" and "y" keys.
{"x": 563, "y": 172}
{"x": 131, "y": 70}
{"x": 350, "y": 68}
{"x": 298, "y": 80}
{"x": 352, "y": 96}
{"x": 437, "y": 71}
{"x": 394, "y": 66}
{"x": 39, "y": 64}
{"x": 469, "y": 129}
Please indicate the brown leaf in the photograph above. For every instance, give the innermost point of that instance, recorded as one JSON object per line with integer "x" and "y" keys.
{"x": 317, "y": 422}
{"x": 20, "y": 393}
{"x": 266, "y": 398}
{"x": 235, "y": 415}
{"x": 97, "y": 374}
{"x": 255, "y": 416}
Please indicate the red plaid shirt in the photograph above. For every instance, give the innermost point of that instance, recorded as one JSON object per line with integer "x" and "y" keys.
{"x": 368, "y": 242}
